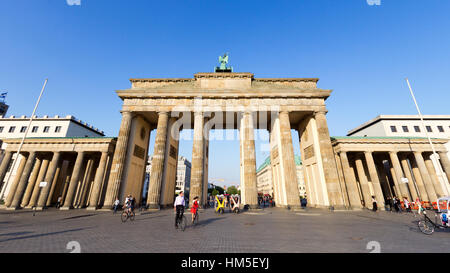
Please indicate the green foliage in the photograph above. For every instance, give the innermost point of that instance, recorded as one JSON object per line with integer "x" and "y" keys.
{"x": 214, "y": 192}
{"x": 220, "y": 189}
{"x": 232, "y": 190}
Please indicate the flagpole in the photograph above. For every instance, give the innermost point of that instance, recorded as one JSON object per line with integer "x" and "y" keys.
{"x": 435, "y": 157}
{"x": 23, "y": 138}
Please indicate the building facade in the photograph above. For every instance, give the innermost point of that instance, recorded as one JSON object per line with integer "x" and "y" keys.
{"x": 41, "y": 127}
{"x": 75, "y": 169}
{"x": 264, "y": 177}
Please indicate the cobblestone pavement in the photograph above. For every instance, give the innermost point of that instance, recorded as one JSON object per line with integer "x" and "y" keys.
{"x": 269, "y": 230}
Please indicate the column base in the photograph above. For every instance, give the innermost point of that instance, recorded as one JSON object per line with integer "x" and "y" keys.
{"x": 40, "y": 208}
{"x": 91, "y": 208}
{"x": 65, "y": 208}
{"x": 153, "y": 207}
{"x": 13, "y": 208}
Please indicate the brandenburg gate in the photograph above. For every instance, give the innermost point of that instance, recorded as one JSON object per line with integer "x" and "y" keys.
{"x": 223, "y": 100}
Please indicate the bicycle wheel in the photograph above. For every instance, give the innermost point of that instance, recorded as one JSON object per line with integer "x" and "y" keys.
{"x": 124, "y": 216}
{"x": 182, "y": 224}
{"x": 132, "y": 216}
{"x": 426, "y": 227}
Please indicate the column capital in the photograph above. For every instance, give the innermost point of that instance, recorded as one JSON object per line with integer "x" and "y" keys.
{"x": 368, "y": 152}
{"x": 163, "y": 112}
{"x": 324, "y": 112}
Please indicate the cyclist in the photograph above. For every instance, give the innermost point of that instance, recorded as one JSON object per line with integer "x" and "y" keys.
{"x": 194, "y": 208}
{"x": 127, "y": 205}
{"x": 178, "y": 206}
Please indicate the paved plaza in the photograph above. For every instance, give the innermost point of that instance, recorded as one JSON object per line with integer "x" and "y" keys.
{"x": 268, "y": 230}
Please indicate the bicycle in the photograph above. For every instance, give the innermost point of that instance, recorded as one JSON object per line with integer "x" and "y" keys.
{"x": 127, "y": 214}
{"x": 181, "y": 222}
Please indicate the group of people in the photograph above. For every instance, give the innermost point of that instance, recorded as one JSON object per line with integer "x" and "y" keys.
{"x": 180, "y": 204}
{"x": 266, "y": 200}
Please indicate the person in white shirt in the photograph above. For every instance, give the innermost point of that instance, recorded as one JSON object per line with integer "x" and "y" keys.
{"x": 178, "y": 206}
{"x": 116, "y": 205}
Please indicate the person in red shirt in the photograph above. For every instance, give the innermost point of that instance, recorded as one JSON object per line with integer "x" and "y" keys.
{"x": 194, "y": 208}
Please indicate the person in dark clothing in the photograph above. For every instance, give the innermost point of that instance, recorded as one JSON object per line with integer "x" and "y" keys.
{"x": 374, "y": 204}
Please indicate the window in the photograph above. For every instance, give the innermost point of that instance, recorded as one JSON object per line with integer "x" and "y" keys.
{"x": 1, "y": 129}
{"x": 34, "y": 129}
{"x": 405, "y": 129}
{"x": 417, "y": 129}
{"x": 23, "y": 129}
{"x": 441, "y": 129}
{"x": 394, "y": 129}
{"x": 58, "y": 129}
{"x": 12, "y": 128}
{"x": 429, "y": 130}
{"x": 46, "y": 129}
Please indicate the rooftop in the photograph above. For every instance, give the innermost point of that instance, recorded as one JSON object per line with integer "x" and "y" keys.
{"x": 397, "y": 117}
{"x": 56, "y": 117}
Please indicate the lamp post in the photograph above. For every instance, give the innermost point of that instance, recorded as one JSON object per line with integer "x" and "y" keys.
{"x": 435, "y": 157}
{"x": 23, "y": 138}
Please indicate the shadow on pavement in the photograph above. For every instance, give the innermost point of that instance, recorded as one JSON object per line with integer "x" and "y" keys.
{"x": 41, "y": 235}
{"x": 78, "y": 216}
{"x": 16, "y": 233}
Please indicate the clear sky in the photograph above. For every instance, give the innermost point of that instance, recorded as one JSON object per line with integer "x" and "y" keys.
{"x": 362, "y": 52}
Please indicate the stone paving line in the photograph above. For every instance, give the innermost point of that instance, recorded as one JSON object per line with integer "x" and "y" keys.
{"x": 269, "y": 230}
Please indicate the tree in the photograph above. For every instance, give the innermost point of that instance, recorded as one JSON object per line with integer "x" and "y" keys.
{"x": 220, "y": 189}
{"x": 232, "y": 190}
{"x": 214, "y": 192}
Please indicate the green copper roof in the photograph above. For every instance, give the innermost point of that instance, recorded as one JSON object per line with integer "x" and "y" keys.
{"x": 298, "y": 161}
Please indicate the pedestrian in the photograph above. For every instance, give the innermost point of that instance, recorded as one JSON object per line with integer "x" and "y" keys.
{"x": 58, "y": 203}
{"x": 389, "y": 202}
{"x": 116, "y": 205}
{"x": 303, "y": 202}
{"x": 397, "y": 205}
{"x": 374, "y": 204}
{"x": 407, "y": 204}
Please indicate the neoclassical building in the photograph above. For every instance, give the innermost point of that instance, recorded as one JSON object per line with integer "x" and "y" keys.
{"x": 385, "y": 167}
{"x": 339, "y": 172}
{"x": 223, "y": 100}
{"x": 75, "y": 169}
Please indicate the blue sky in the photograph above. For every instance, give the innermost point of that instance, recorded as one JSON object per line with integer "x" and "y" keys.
{"x": 362, "y": 52}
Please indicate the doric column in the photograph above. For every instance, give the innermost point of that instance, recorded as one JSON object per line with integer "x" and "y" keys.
{"x": 407, "y": 171}
{"x": 157, "y": 171}
{"x": 96, "y": 188}
{"x": 374, "y": 178}
{"x": 290, "y": 170}
{"x": 350, "y": 182}
{"x": 399, "y": 175}
{"x": 420, "y": 184}
{"x": 4, "y": 166}
{"x": 342, "y": 180}
{"x": 84, "y": 190}
{"x": 120, "y": 153}
{"x": 248, "y": 160}
{"x": 23, "y": 181}
{"x": 329, "y": 166}
{"x": 49, "y": 179}
{"x": 363, "y": 182}
{"x": 425, "y": 176}
{"x": 40, "y": 178}
{"x": 197, "y": 159}
{"x": 444, "y": 161}
{"x": 12, "y": 189}
{"x": 68, "y": 202}
{"x": 31, "y": 183}
{"x": 432, "y": 171}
